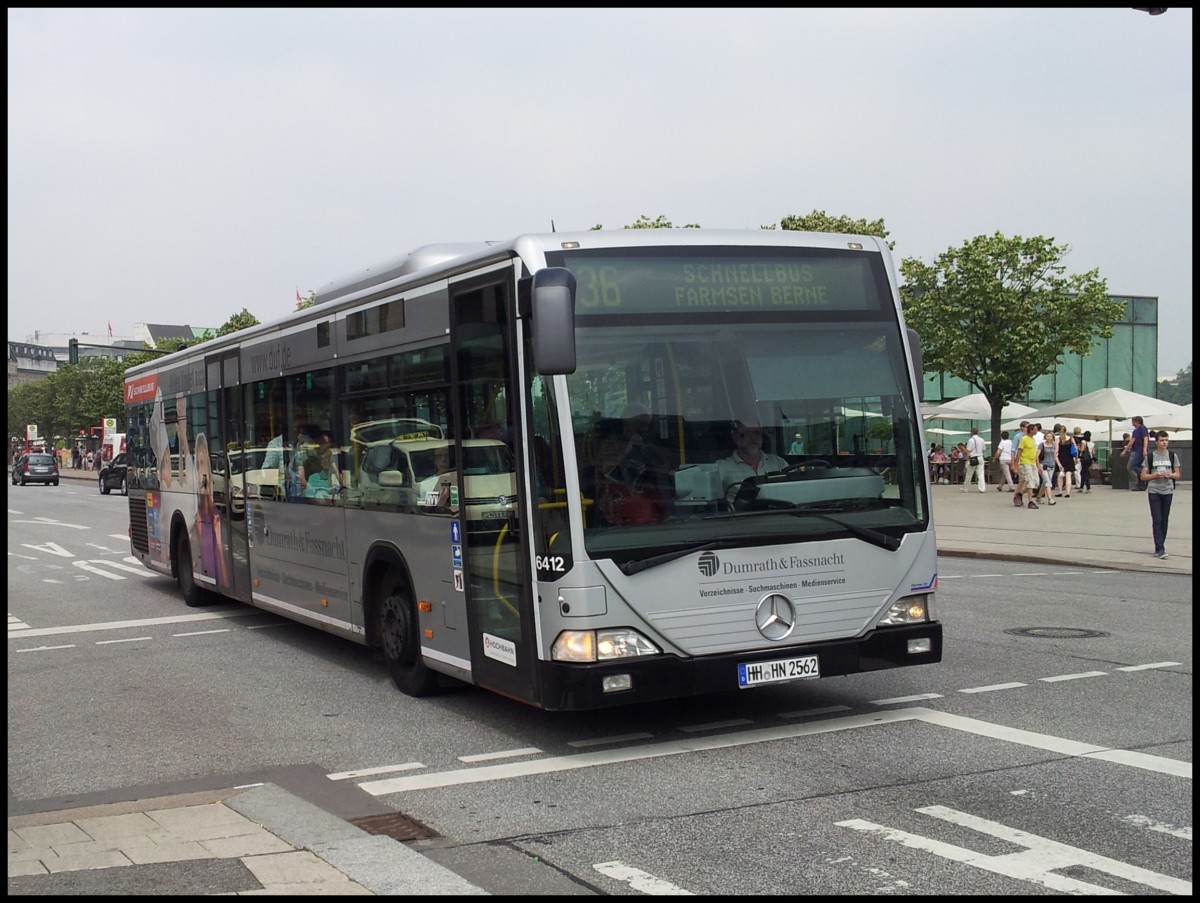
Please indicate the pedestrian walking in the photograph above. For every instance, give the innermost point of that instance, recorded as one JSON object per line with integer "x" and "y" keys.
{"x": 1160, "y": 470}
{"x": 1087, "y": 457}
{"x": 1021, "y": 433}
{"x": 1048, "y": 462}
{"x": 973, "y": 466}
{"x": 1004, "y": 455}
{"x": 1067, "y": 453}
{"x": 1027, "y": 467}
{"x": 1136, "y": 450}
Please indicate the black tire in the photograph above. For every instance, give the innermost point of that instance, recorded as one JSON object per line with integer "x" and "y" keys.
{"x": 193, "y": 594}
{"x": 399, "y": 635}
{"x": 104, "y": 490}
{"x": 55, "y": 482}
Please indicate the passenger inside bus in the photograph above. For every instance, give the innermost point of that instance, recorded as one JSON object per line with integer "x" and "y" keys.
{"x": 322, "y": 480}
{"x": 626, "y": 486}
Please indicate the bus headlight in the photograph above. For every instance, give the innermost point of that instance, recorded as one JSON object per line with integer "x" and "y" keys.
{"x": 909, "y": 610}
{"x": 600, "y": 645}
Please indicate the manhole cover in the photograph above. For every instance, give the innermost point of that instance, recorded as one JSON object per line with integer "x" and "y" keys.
{"x": 1057, "y": 633}
{"x": 396, "y": 825}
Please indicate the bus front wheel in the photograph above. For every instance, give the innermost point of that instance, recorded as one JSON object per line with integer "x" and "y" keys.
{"x": 400, "y": 638}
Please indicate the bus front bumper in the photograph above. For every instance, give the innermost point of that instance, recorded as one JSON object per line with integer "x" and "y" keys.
{"x": 575, "y": 687}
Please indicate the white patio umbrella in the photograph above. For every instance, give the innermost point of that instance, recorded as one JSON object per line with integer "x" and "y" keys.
{"x": 941, "y": 432}
{"x": 1106, "y": 405}
{"x": 1099, "y": 429}
{"x": 975, "y": 407}
{"x": 1179, "y": 420}
{"x": 854, "y": 412}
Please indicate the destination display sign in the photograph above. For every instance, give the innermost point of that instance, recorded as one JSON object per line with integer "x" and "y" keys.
{"x": 691, "y": 284}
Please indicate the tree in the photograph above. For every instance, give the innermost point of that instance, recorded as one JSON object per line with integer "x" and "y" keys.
{"x": 644, "y": 222}
{"x": 311, "y": 299}
{"x": 1179, "y": 389}
{"x": 998, "y": 311}
{"x": 820, "y": 221}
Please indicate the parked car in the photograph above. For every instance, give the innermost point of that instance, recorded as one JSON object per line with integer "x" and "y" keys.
{"x": 35, "y": 467}
{"x": 408, "y": 473}
{"x": 114, "y": 473}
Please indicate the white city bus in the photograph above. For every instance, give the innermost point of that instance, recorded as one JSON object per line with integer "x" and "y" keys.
{"x": 517, "y": 447}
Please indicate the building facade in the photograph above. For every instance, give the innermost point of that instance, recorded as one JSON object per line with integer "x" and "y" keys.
{"x": 1129, "y": 360}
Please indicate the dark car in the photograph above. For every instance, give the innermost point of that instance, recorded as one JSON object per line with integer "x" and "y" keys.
{"x": 113, "y": 475}
{"x": 35, "y": 467}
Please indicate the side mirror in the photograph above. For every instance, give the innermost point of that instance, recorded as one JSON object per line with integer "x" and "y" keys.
{"x": 553, "y": 312}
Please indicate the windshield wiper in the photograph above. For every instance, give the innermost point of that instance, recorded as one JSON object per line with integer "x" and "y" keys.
{"x": 866, "y": 534}
{"x": 629, "y": 568}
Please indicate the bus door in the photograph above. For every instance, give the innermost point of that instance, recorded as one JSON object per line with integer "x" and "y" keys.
{"x": 495, "y": 580}
{"x": 226, "y": 443}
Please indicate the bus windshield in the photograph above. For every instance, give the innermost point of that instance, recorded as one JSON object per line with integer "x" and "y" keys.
{"x": 667, "y": 420}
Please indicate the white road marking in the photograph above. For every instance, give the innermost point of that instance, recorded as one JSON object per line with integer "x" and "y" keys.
{"x": 1035, "y": 864}
{"x": 122, "y": 566}
{"x": 613, "y": 738}
{"x": 100, "y": 572}
{"x": 202, "y": 632}
{"x": 1056, "y": 745}
{"x": 141, "y": 622}
{"x": 131, "y": 639}
{"x": 806, "y": 713}
{"x": 501, "y": 754}
{"x": 382, "y": 769}
{"x": 1143, "y": 821}
{"x": 626, "y": 754}
{"x": 1147, "y": 667}
{"x": 1012, "y": 686}
{"x": 1059, "y": 745}
{"x": 1079, "y": 676}
{"x": 715, "y": 725}
{"x": 46, "y": 648}
{"x": 639, "y": 880}
{"x": 50, "y": 548}
{"x": 900, "y": 700}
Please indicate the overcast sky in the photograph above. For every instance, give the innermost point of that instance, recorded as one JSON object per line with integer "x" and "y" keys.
{"x": 170, "y": 166}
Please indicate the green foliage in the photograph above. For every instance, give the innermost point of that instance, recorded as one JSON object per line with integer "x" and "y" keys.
{"x": 310, "y": 299}
{"x": 998, "y": 311}
{"x": 70, "y": 399}
{"x": 881, "y": 431}
{"x": 644, "y": 222}
{"x": 240, "y": 320}
{"x": 80, "y": 396}
{"x": 1179, "y": 389}
{"x": 236, "y": 322}
{"x": 820, "y": 221}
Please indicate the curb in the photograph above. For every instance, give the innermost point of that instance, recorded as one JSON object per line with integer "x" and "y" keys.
{"x": 382, "y": 865}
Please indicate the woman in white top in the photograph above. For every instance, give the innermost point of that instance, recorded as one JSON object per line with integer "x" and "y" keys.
{"x": 1004, "y": 453}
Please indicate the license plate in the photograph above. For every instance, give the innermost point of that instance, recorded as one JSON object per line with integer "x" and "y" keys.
{"x": 754, "y": 674}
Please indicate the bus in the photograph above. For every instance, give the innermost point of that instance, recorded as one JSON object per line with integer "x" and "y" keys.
{"x": 525, "y": 451}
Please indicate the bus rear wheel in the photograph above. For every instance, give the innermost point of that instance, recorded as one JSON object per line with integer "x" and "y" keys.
{"x": 400, "y": 639}
{"x": 193, "y": 594}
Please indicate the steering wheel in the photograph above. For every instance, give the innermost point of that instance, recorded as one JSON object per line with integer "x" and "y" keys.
{"x": 746, "y": 498}
{"x": 801, "y": 465}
